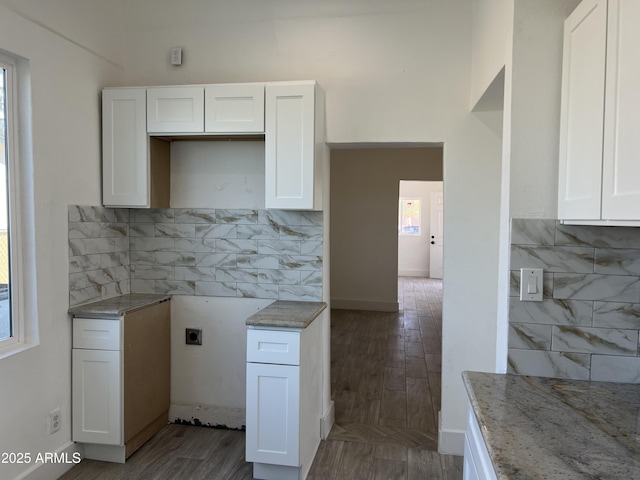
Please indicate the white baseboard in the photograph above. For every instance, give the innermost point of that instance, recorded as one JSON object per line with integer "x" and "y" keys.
{"x": 413, "y": 273}
{"x": 65, "y": 458}
{"x": 450, "y": 442}
{"x": 207, "y": 415}
{"x": 327, "y": 421}
{"x": 364, "y": 305}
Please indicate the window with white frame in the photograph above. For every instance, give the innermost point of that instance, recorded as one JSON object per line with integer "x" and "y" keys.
{"x": 18, "y": 313}
{"x": 409, "y": 216}
{"x": 7, "y": 328}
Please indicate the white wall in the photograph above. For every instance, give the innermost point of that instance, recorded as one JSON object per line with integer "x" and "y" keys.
{"x": 491, "y": 38}
{"x": 470, "y": 269}
{"x": 535, "y": 106}
{"x": 93, "y": 25}
{"x": 376, "y": 60}
{"x": 413, "y": 250}
{"x": 217, "y": 174}
{"x": 66, "y": 81}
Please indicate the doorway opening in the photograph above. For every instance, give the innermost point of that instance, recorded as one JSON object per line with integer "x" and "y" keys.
{"x": 364, "y": 219}
{"x": 420, "y": 215}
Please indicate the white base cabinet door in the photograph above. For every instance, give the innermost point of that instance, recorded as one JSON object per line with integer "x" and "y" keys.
{"x": 273, "y": 399}
{"x": 97, "y": 396}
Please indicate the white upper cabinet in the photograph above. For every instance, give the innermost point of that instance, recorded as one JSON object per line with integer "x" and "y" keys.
{"x": 125, "y": 165}
{"x": 294, "y": 146}
{"x": 175, "y": 109}
{"x": 234, "y": 108}
{"x": 621, "y": 167}
{"x": 140, "y": 123}
{"x": 582, "y": 118}
{"x": 599, "y": 174}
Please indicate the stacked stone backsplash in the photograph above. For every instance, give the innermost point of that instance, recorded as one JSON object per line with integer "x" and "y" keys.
{"x": 588, "y": 324}
{"x": 209, "y": 252}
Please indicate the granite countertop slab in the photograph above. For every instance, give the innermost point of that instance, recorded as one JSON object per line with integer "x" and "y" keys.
{"x": 286, "y": 314}
{"x": 117, "y": 306}
{"x": 550, "y": 428}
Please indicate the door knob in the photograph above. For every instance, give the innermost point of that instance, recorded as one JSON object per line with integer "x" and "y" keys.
{"x": 432, "y": 242}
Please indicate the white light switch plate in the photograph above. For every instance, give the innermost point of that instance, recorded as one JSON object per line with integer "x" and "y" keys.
{"x": 531, "y": 285}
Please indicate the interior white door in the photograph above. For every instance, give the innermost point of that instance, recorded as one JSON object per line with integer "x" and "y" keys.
{"x": 435, "y": 242}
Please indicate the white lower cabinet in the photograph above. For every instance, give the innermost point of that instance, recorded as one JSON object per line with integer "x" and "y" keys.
{"x": 477, "y": 463}
{"x": 274, "y": 393}
{"x": 97, "y": 412}
{"x": 120, "y": 381}
{"x": 283, "y": 401}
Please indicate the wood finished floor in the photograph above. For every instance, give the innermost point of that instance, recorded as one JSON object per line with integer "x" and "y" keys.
{"x": 386, "y": 386}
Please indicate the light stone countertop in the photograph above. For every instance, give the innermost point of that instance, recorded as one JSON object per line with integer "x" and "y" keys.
{"x": 550, "y": 428}
{"x": 117, "y": 306}
{"x": 287, "y": 314}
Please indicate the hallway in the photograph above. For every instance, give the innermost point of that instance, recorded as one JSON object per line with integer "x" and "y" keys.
{"x": 386, "y": 388}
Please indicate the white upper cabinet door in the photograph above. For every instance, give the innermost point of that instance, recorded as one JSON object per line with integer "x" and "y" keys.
{"x": 125, "y": 161}
{"x": 621, "y": 165}
{"x": 234, "y": 108}
{"x": 582, "y": 120}
{"x": 175, "y": 110}
{"x": 290, "y": 146}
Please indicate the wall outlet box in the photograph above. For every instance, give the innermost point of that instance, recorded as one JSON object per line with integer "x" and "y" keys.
{"x": 193, "y": 336}
{"x": 176, "y": 56}
{"x": 55, "y": 420}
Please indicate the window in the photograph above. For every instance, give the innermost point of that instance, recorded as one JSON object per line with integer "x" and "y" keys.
{"x": 6, "y": 325}
{"x": 18, "y": 306}
{"x": 409, "y": 216}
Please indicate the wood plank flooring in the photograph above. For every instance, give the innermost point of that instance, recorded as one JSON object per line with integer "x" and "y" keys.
{"x": 385, "y": 383}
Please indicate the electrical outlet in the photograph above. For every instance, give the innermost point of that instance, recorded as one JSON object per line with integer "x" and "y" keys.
{"x": 176, "y": 56}
{"x": 55, "y": 419}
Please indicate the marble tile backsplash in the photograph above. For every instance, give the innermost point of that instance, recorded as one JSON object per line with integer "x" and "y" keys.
{"x": 211, "y": 252}
{"x": 99, "y": 265}
{"x": 588, "y": 324}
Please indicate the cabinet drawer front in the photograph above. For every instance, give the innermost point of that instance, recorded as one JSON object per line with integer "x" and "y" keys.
{"x": 175, "y": 110}
{"x": 271, "y": 346}
{"x": 234, "y": 108}
{"x": 97, "y": 334}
